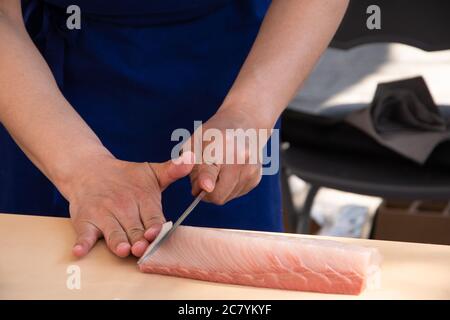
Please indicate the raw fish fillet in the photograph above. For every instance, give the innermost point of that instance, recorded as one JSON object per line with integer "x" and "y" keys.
{"x": 266, "y": 260}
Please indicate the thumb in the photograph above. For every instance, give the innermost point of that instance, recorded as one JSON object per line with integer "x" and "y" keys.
{"x": 87, "y": 236}
{"x": 172, "y": 170}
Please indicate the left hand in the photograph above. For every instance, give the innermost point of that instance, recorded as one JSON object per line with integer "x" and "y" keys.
{"x": 224, "y": 181}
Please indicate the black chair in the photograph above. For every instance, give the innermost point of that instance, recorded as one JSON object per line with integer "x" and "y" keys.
{"x": 344, "y": 158}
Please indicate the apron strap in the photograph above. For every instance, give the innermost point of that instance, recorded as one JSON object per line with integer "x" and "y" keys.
{"x": 46, "y": 25}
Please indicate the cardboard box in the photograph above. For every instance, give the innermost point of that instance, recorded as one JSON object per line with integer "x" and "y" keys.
{"x": 417, "y": 221}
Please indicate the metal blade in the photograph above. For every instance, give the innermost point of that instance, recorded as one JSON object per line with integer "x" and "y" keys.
{"x": 165, "y": 234}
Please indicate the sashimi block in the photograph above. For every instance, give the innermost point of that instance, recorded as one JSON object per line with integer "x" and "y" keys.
{"x": 266, "y": 260}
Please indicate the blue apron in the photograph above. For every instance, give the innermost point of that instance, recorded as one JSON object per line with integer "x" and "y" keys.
{"x": 135, "y": 71}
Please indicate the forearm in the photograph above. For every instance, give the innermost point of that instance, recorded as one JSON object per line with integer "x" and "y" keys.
{"x": 36, "y": 114}
{"x": 292, "y": 37}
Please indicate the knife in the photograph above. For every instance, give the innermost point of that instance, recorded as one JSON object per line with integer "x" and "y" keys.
{"x": 168, "y": 229}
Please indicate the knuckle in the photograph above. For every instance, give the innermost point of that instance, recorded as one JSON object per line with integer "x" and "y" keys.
{"x": 85, "y": 226}
{"x": 253, "y": 170}
{"x": 127, "y": 217}
{"x": 108, "y": 222}
{"x": 210, "y": 168}
{"x": 83, "y": 236}
{"x": 255, "y": 181}
{"x": 253, "y": 173}
{"x": 218, "y": 199}
{"x": 151, "y": 220}
{"x": 93, "y": 215}
{"x": 221, "y": 202}
{"x": 125, "y": 211}
{"x": 113, "y": 236}
{"x": 135, "y": 232}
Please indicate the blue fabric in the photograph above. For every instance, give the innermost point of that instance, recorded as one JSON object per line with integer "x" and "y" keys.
{"x": 135, "y": 73}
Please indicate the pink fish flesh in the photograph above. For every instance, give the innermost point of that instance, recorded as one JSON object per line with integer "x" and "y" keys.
{"x": 266, "y": 260}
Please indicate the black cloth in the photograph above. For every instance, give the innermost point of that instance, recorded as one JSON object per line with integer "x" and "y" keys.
{"x": 389, "y": 114}
{"x": 403, "y": 117}
{"x": 422, "y": 24}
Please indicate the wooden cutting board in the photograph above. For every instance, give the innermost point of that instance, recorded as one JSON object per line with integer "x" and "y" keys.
{"x": 36, "y": 263}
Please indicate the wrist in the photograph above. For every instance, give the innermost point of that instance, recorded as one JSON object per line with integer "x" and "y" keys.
{"x": 69, "y": 172}
{"x": 258, "y": 115}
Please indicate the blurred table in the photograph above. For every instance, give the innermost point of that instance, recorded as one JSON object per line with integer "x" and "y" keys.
{"x": 36, "y": 258}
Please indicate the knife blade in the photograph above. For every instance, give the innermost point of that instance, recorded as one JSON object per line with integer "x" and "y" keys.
{"x": 168, "y": 229}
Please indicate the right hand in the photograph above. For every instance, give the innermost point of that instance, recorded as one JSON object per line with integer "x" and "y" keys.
{"x": 121, "y": 201}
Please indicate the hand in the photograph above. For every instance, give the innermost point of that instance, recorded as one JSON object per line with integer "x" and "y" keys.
{"x": 224, "y": 181}
{"x": 121, "y": 201}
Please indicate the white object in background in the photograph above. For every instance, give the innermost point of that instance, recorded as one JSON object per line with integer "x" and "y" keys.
{"x": 348, "y": 222}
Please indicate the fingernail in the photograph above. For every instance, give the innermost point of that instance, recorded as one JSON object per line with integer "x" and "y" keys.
{"x": 139, "y": 248}
{"x": 123, "y": 249}
{"x": 152, "y": 232}
{"x": 140, "y": 243}
{"x": 78, "y": 250}
{"x": 209, "y": 185}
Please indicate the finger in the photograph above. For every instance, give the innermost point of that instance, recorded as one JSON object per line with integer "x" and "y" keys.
{"x": 127, "y": 214}
{"x": 135, "y": 233}
{"x": 225, "y": 186}
{"x": 87, "y": 236}
{"x": 153, "y": 232}
{"x": 172, "y": 170}
{"x": 205, "y": 178}
{"x": 152, "y": 217}
{"x": 115, "y": 236}
{"x": 195, "y": 189}
{"x": 248, "y": 181}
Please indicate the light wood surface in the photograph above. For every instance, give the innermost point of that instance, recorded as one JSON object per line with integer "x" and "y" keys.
{"x": 36, "y": 254}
